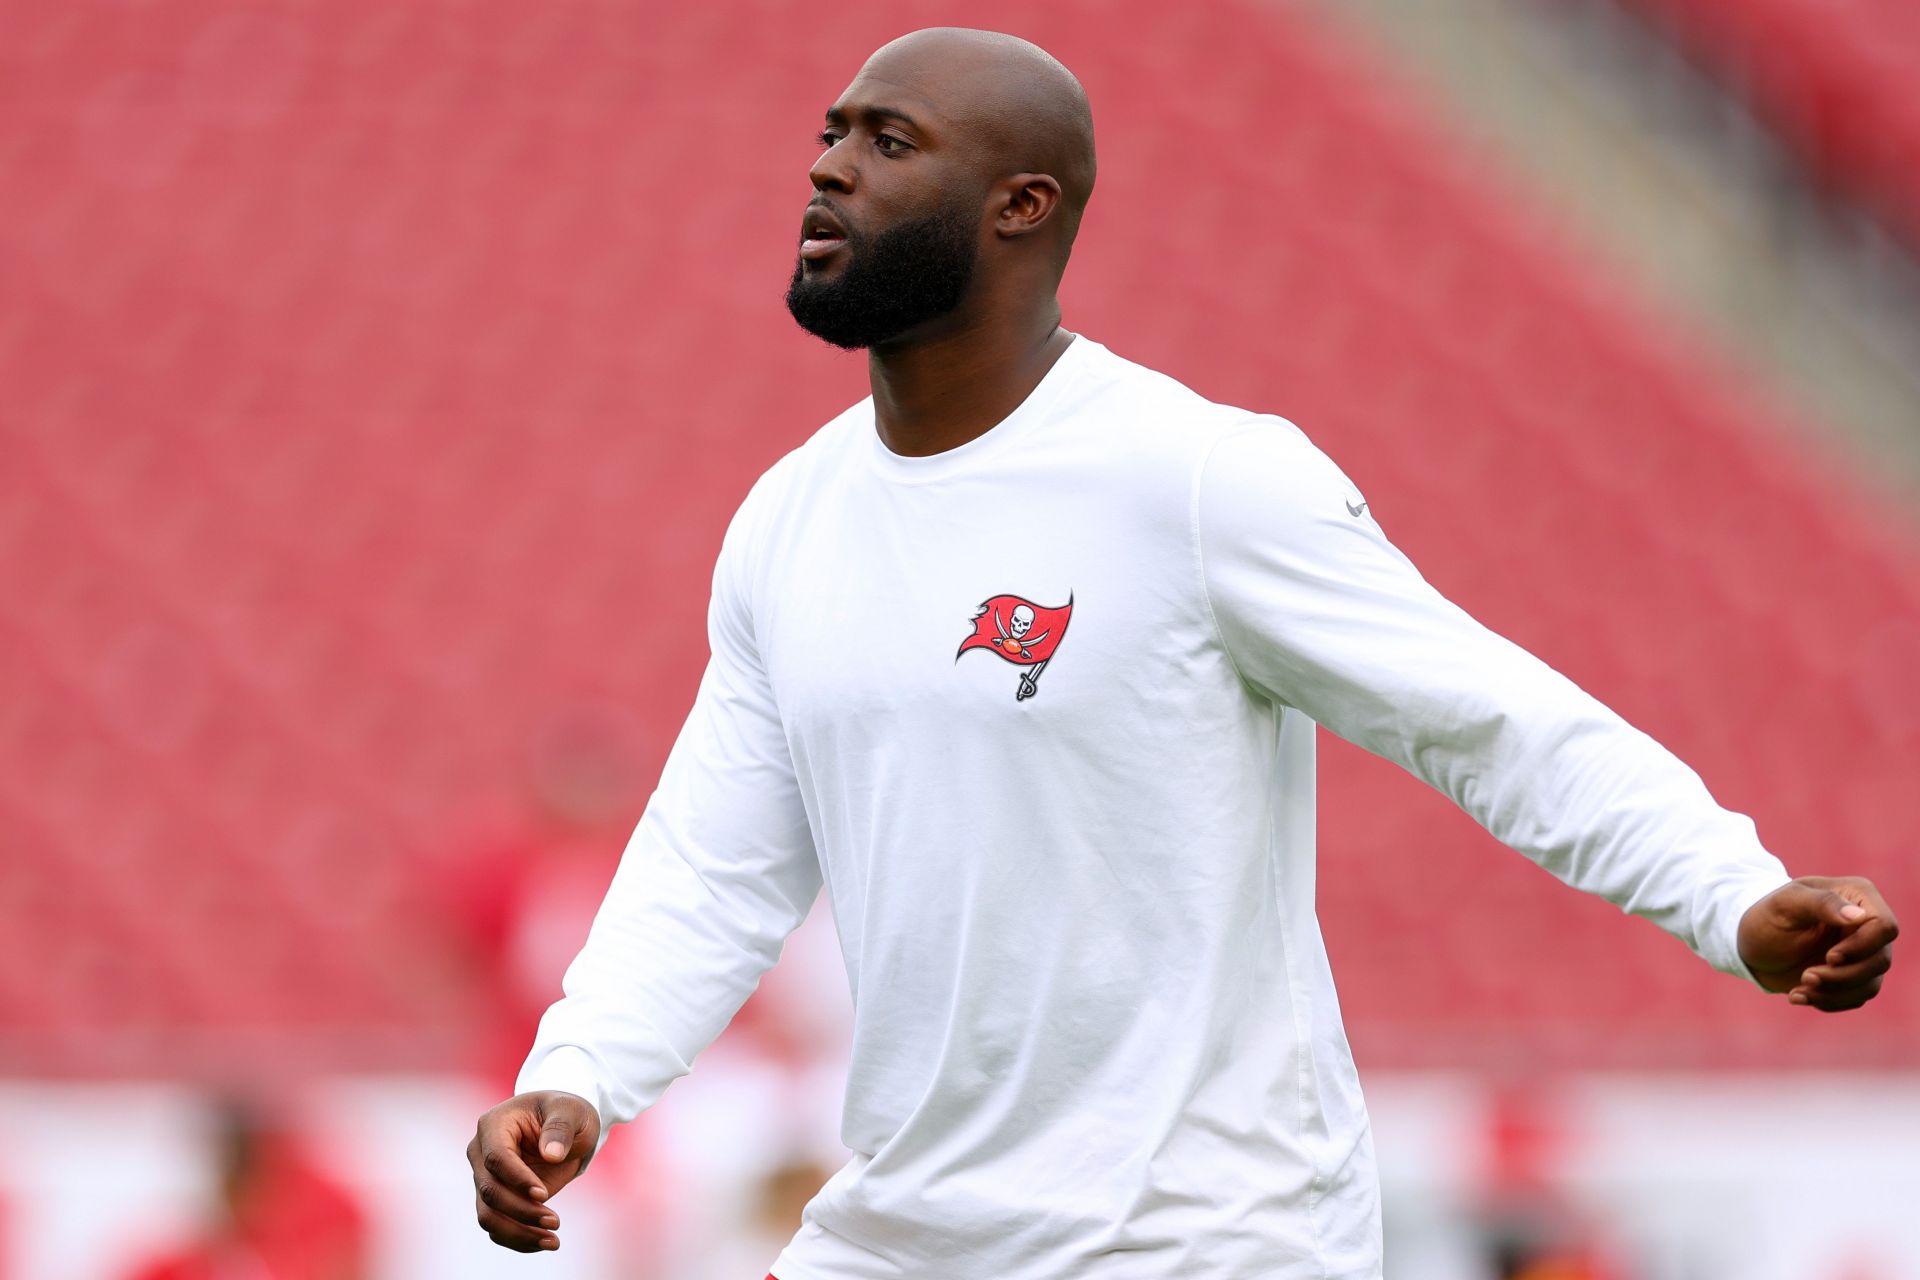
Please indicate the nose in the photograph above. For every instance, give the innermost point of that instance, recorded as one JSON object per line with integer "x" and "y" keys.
{"x": 832, "y": 171}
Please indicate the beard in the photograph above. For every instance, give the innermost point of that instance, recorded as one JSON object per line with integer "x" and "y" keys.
{"x": 906, "y": 275}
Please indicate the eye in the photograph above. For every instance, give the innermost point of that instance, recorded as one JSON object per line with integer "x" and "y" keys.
{"x": 891, "y": 145}
{"x": 827, "y": 138}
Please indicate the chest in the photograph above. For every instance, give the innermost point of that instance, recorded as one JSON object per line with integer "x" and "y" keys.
{"x": 894, "y": 615}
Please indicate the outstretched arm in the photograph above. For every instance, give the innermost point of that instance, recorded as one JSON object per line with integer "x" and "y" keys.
{"x": 1320, "y": 612}
{"x": 719, "y": 871}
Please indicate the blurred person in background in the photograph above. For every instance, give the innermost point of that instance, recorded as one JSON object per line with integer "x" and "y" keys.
{"x": 514, "y": 901}
{"x": 1095, "y": 1029}
{"x": 281, "y": 1217}
{"x": 774, "y": 1203}
{"x": 1530, "y": 1226}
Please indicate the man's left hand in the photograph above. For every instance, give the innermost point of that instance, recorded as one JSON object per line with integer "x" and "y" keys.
{"x": 1825, "y": 941}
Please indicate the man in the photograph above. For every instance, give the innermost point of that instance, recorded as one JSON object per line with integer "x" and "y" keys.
{"x": 1023, "y": 658}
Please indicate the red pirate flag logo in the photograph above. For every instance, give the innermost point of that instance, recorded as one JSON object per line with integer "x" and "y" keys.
{"x": 1022, "y": 632}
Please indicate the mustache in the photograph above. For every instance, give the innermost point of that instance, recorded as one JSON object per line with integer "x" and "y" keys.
{"x": 840, "y": 215}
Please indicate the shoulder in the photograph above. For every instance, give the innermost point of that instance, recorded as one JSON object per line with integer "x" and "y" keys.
{"x": 1267, "y": 497}
{"x": 1144, "y": 404}
{"x": 1148, "y": 415}
{"x": 779, "y": 497}
{"x": 799, "y": 477}
{"x": 1262, "y": 455}
{"x": 1159, "y": 428}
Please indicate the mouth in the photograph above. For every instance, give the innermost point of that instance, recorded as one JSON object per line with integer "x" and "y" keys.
{"x": 820, "y": 233}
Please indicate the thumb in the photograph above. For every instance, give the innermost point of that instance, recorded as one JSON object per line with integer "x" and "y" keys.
{"x": 1831, "y": 908}
{"x": 556, "y": 1138}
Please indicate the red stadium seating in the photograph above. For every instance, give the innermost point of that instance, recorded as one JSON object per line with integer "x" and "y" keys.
{"x": 376, "y": 381}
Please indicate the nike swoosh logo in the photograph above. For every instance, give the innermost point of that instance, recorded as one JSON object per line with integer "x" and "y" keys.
{"x": 1354, "y": 511}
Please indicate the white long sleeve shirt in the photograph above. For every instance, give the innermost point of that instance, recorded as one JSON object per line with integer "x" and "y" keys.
{"x": 1095, "y": 1033}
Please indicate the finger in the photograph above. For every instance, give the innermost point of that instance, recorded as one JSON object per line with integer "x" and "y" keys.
{"x": 509, "y": 1234}
{"x": 501, "y": 1158}
{"x": 1871, "y": 936}
{"x": 1838, "y": 1001}
{"x": 506, "y": 1201}
{"x": 1842, "y": 975}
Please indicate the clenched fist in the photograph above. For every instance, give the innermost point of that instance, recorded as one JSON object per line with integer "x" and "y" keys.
{"x": 523, "y": 1151}
{"x": 1826, "y": 941}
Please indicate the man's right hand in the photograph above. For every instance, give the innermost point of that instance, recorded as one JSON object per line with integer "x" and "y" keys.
{"x": 523, "y": 1151}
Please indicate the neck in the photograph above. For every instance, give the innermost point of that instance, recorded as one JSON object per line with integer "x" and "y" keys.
{"x": 936, "y": 394}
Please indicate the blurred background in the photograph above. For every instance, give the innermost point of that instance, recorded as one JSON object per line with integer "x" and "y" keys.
{"x": 376, "y": 380}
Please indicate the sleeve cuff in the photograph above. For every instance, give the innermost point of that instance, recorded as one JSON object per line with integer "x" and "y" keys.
{"x": 1725, "y": 953}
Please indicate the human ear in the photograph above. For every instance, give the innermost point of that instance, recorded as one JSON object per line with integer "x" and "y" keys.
{"x": 1029, "y": 199}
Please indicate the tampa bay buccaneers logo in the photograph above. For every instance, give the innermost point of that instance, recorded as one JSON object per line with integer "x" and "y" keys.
{"x": 1022, "y": 632}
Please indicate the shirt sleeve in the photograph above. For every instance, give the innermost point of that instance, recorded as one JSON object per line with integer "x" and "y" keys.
{"x": 720, "y": 870}
{"x": 1318, "y": 611}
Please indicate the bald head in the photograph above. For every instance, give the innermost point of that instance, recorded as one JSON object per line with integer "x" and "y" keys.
{"x": 951, "y": 179}
{"x": 1018, "y": 108}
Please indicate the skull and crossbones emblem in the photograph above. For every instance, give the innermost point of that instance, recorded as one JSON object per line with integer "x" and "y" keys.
{"x": 1014, "y": 640}
{"x": 1021, "y": 632}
